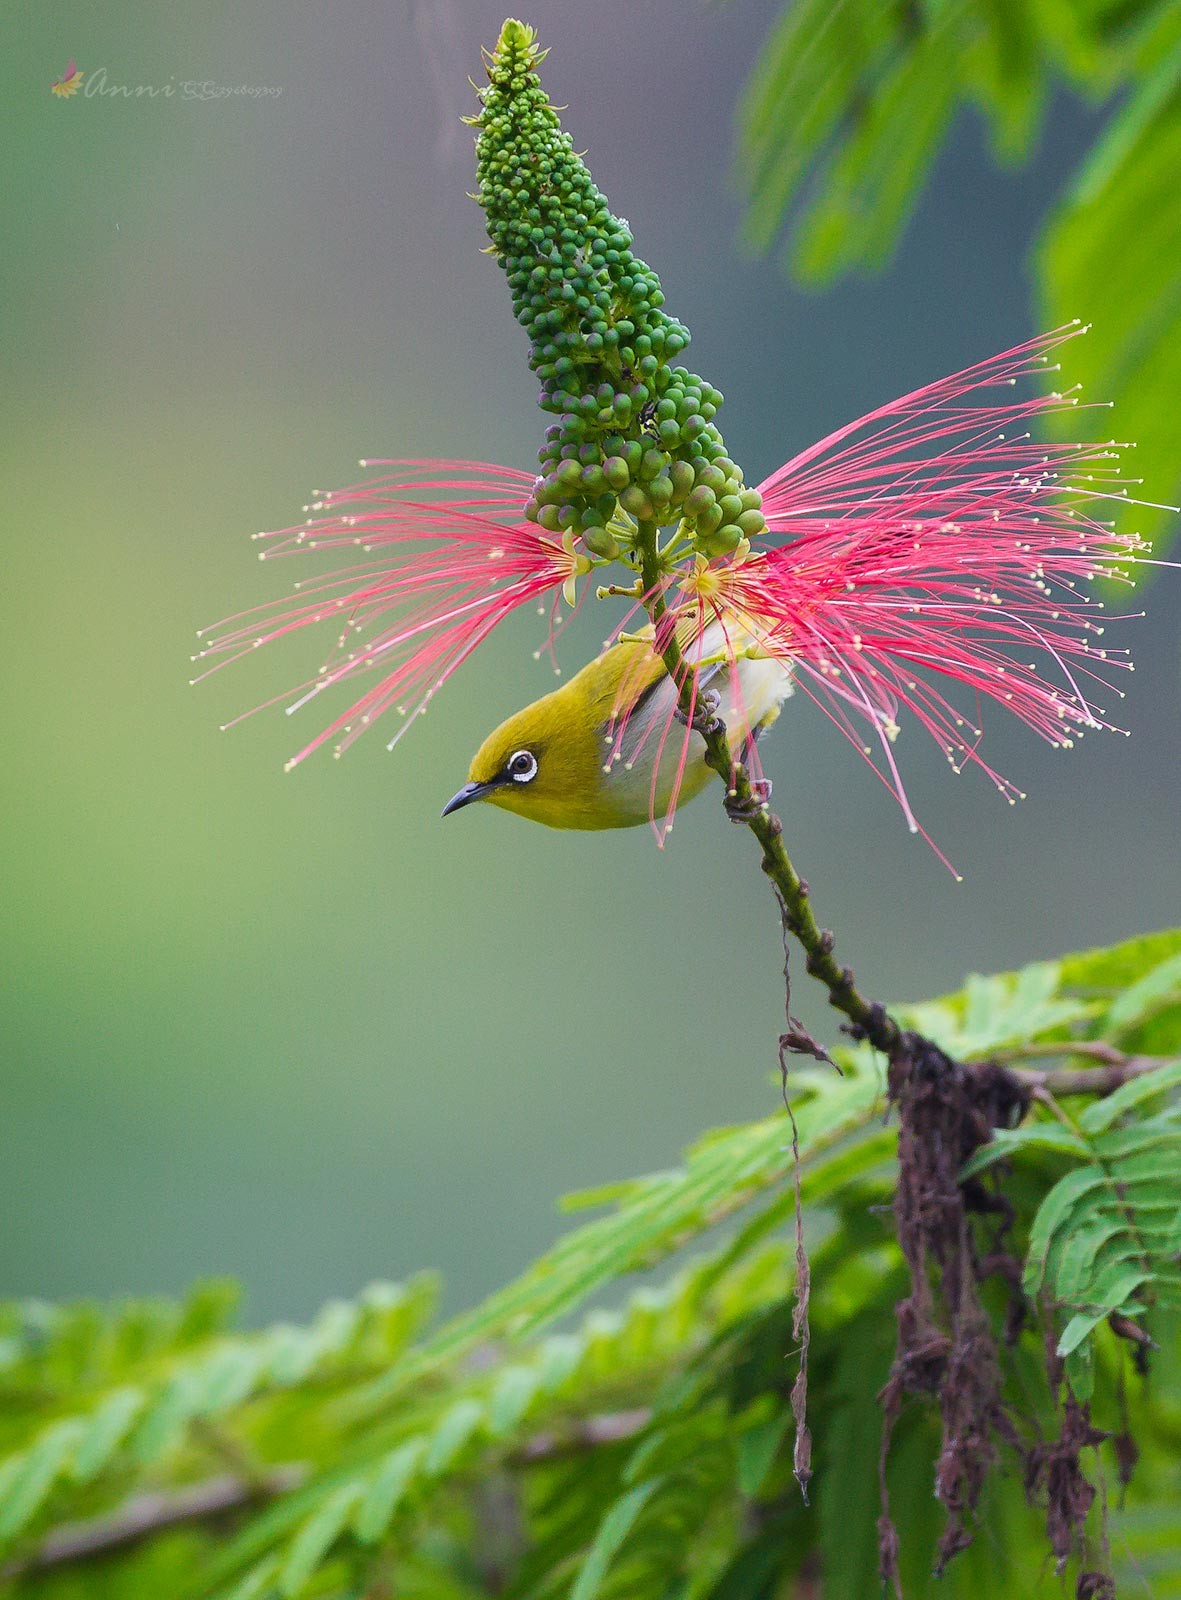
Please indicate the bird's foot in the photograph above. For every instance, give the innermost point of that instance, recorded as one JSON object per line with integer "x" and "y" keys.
{"x": 705, "y": 718}
{"x": 746, "y": 809}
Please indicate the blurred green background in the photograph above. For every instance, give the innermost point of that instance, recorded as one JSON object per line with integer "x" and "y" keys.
{"x": 295, "y": 1028}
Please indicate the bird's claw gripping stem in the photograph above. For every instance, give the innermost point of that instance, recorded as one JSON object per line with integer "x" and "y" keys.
{"x": 705, "y": 719}
{"x": 741, "y": 808}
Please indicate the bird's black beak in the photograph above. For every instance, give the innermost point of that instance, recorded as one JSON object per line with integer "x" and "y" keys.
{"x": 469, "y": 792}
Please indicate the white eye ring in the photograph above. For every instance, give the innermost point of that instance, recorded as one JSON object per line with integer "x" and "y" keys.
{"x": 522, "y": 767}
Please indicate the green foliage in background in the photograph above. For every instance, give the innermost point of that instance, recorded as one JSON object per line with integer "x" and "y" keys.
{"x": 852, "y": 100}
{"x": 641, "y": 1447}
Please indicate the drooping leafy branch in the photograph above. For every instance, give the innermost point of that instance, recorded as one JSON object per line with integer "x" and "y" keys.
{"x": 150, "y": 1450}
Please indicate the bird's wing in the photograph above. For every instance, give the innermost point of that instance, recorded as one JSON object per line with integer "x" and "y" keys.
{"x": 637, "y": 702}
{"x": 620, "y": 678}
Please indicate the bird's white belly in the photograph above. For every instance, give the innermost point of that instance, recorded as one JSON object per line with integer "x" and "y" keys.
{"x": 749, "y": 693}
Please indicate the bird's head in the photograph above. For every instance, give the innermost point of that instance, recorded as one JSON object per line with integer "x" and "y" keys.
{"x": 544, "y": 762}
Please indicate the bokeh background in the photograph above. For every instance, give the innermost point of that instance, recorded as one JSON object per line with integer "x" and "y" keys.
{"x": 296, "y": 1029}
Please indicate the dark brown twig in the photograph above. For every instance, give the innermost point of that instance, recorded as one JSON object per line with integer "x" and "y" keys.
{"x": 611, "y": 1427}
{"x": 212, "y": 1498}
{"x": 147, "y": 1514}
{"x": 1063, "y": 1081}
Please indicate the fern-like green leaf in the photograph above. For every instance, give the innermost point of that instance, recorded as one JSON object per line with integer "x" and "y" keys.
{"x": 1153, "y": 991}
{"x": 386, "y": 1489}
{"x": 614, "y": 1529}
{"x": 315, "y": 1538}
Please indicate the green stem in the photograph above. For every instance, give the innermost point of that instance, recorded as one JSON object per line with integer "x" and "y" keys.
{"x": 870, "y": 1020}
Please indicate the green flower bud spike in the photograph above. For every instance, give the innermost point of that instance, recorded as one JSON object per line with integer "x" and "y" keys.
{"x": 634, "y": 430}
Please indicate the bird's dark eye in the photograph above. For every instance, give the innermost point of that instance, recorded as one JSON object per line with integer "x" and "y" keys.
{"x": 522, "y": 767}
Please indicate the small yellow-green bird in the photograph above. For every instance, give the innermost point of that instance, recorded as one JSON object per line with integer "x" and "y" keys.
{"x": 561, "y": 761}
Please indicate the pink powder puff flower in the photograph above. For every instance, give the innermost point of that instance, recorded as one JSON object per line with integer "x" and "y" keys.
{"x": 936, "y": 544}
{"x": 445, "y": 555}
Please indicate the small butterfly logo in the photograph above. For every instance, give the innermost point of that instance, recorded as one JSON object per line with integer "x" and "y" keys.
{"x": 69, "y": 83}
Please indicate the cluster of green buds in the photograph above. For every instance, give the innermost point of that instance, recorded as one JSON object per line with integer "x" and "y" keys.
{"x": 634, "y": 431}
